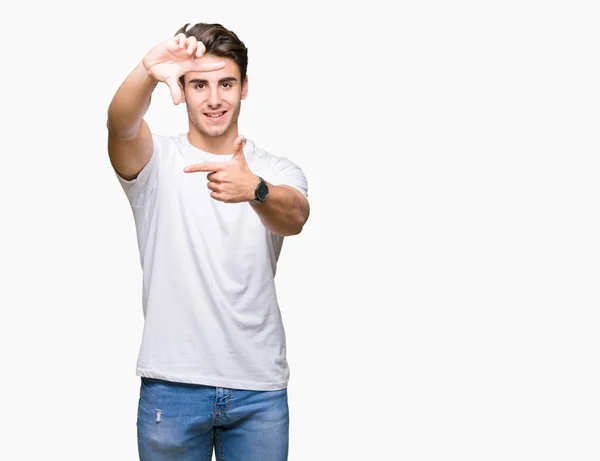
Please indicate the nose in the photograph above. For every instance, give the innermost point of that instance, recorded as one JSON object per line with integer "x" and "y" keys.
{"x": 214, "y": 99}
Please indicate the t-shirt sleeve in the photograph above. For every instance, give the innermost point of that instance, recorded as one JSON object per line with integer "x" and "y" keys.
{"x": 285, "y": 172}
{"x": 138, "y": 190}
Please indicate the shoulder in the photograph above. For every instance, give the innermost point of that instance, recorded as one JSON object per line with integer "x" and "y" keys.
{"x": 167, "y": 141}
{"x": 167, "y": 146}
{"x": 276, "y": 169}
{"x": 269, "y": 161}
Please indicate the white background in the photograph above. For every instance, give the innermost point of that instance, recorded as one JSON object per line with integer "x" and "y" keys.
{"x": 442, "y": 301}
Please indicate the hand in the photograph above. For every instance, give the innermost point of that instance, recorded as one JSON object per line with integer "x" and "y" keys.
{"x": 171, "y": 59}
{"x": 231, "y": 181}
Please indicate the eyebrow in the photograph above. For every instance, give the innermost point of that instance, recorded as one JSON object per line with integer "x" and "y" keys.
{"x": 203, "y": 81}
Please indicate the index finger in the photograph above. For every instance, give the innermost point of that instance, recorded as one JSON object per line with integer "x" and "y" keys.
{"x": 208, "y": 167}
{"x": 206, "y": 66}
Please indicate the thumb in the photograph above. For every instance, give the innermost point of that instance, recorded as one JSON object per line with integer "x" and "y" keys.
{"x": 176, "y": 93}
{"x": 238, "y": 148}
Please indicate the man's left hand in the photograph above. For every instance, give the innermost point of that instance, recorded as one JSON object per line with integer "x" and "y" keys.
{"x": 231, "y": 181}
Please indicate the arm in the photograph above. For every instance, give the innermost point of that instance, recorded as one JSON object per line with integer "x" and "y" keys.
{"x": 129, "y": 138}
{"x": 130, "y": 143}
{"x": 284, "y": 212}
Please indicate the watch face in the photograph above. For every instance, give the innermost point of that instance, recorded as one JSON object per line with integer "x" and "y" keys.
{"x": 262, "y": 192}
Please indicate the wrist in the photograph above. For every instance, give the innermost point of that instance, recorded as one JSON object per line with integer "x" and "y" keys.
{"x": 252, "y": 182}
{"x": 144, "y": 69}
{"x": 260, "y": 191}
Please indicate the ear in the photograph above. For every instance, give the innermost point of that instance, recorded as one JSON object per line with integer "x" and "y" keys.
{"x": 245, "y": 88}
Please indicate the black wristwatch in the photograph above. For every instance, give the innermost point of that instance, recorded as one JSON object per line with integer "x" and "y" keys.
{"x": 261, "y": 192}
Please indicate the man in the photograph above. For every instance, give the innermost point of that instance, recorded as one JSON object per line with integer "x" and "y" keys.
{"x": 211, "y": 211}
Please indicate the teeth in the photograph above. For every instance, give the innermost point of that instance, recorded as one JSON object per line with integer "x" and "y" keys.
{"x": 215, "y": 115}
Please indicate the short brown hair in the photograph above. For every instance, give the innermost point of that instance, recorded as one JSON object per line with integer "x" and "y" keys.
{"x": 219, "y": 41}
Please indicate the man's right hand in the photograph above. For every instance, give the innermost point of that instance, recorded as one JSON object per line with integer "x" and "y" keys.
{"x": 171, "y": 59}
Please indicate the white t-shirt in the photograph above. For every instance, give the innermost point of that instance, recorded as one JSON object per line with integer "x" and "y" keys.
{"x": 211, "y": 314}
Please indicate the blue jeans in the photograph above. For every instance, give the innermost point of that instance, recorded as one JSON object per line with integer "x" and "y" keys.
{"x": 183, "y": 422}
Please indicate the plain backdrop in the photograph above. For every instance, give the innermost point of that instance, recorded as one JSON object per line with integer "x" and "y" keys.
{"x": 442, "y": 301}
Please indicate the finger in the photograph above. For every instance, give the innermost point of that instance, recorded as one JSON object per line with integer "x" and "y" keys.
{"x": 200, "y": 50}
{"x": 213, "y": 186}
{"x": 176, "y": 91}
{"x": 179, "y": 38}
{"x": 198, "y": 167}
{"x": 192, "y": 43}
{"x": 215, "y": 176}
{"x": 207, "y": 66}
{"x": 183, "y": 41}
{"x": 217, "y": 196}
{"x": 238, "y": 147}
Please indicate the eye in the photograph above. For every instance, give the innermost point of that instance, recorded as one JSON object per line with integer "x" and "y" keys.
{"x": 199, "y": 86}
{"x": 226, "y": 85}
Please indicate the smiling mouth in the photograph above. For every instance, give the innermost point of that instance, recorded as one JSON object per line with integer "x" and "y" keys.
{"x": 216, "y": 116}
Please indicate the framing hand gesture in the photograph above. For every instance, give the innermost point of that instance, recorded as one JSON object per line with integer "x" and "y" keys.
{"x": 171, "y": 59}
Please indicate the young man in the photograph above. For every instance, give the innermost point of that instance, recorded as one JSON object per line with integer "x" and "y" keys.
{"x": 211, "y": 211}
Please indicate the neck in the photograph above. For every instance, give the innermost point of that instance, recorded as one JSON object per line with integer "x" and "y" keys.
{"x": 219, "y": 145}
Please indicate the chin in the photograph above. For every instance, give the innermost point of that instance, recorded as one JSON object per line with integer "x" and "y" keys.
{"x": 213, "y": 133}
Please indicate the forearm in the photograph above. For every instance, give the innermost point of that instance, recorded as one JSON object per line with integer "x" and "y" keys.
{"x": 284, "y": 212}
{"x": 130, "y": 103}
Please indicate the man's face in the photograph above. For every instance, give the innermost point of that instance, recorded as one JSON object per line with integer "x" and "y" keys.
{"x": 214, "y": 99}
